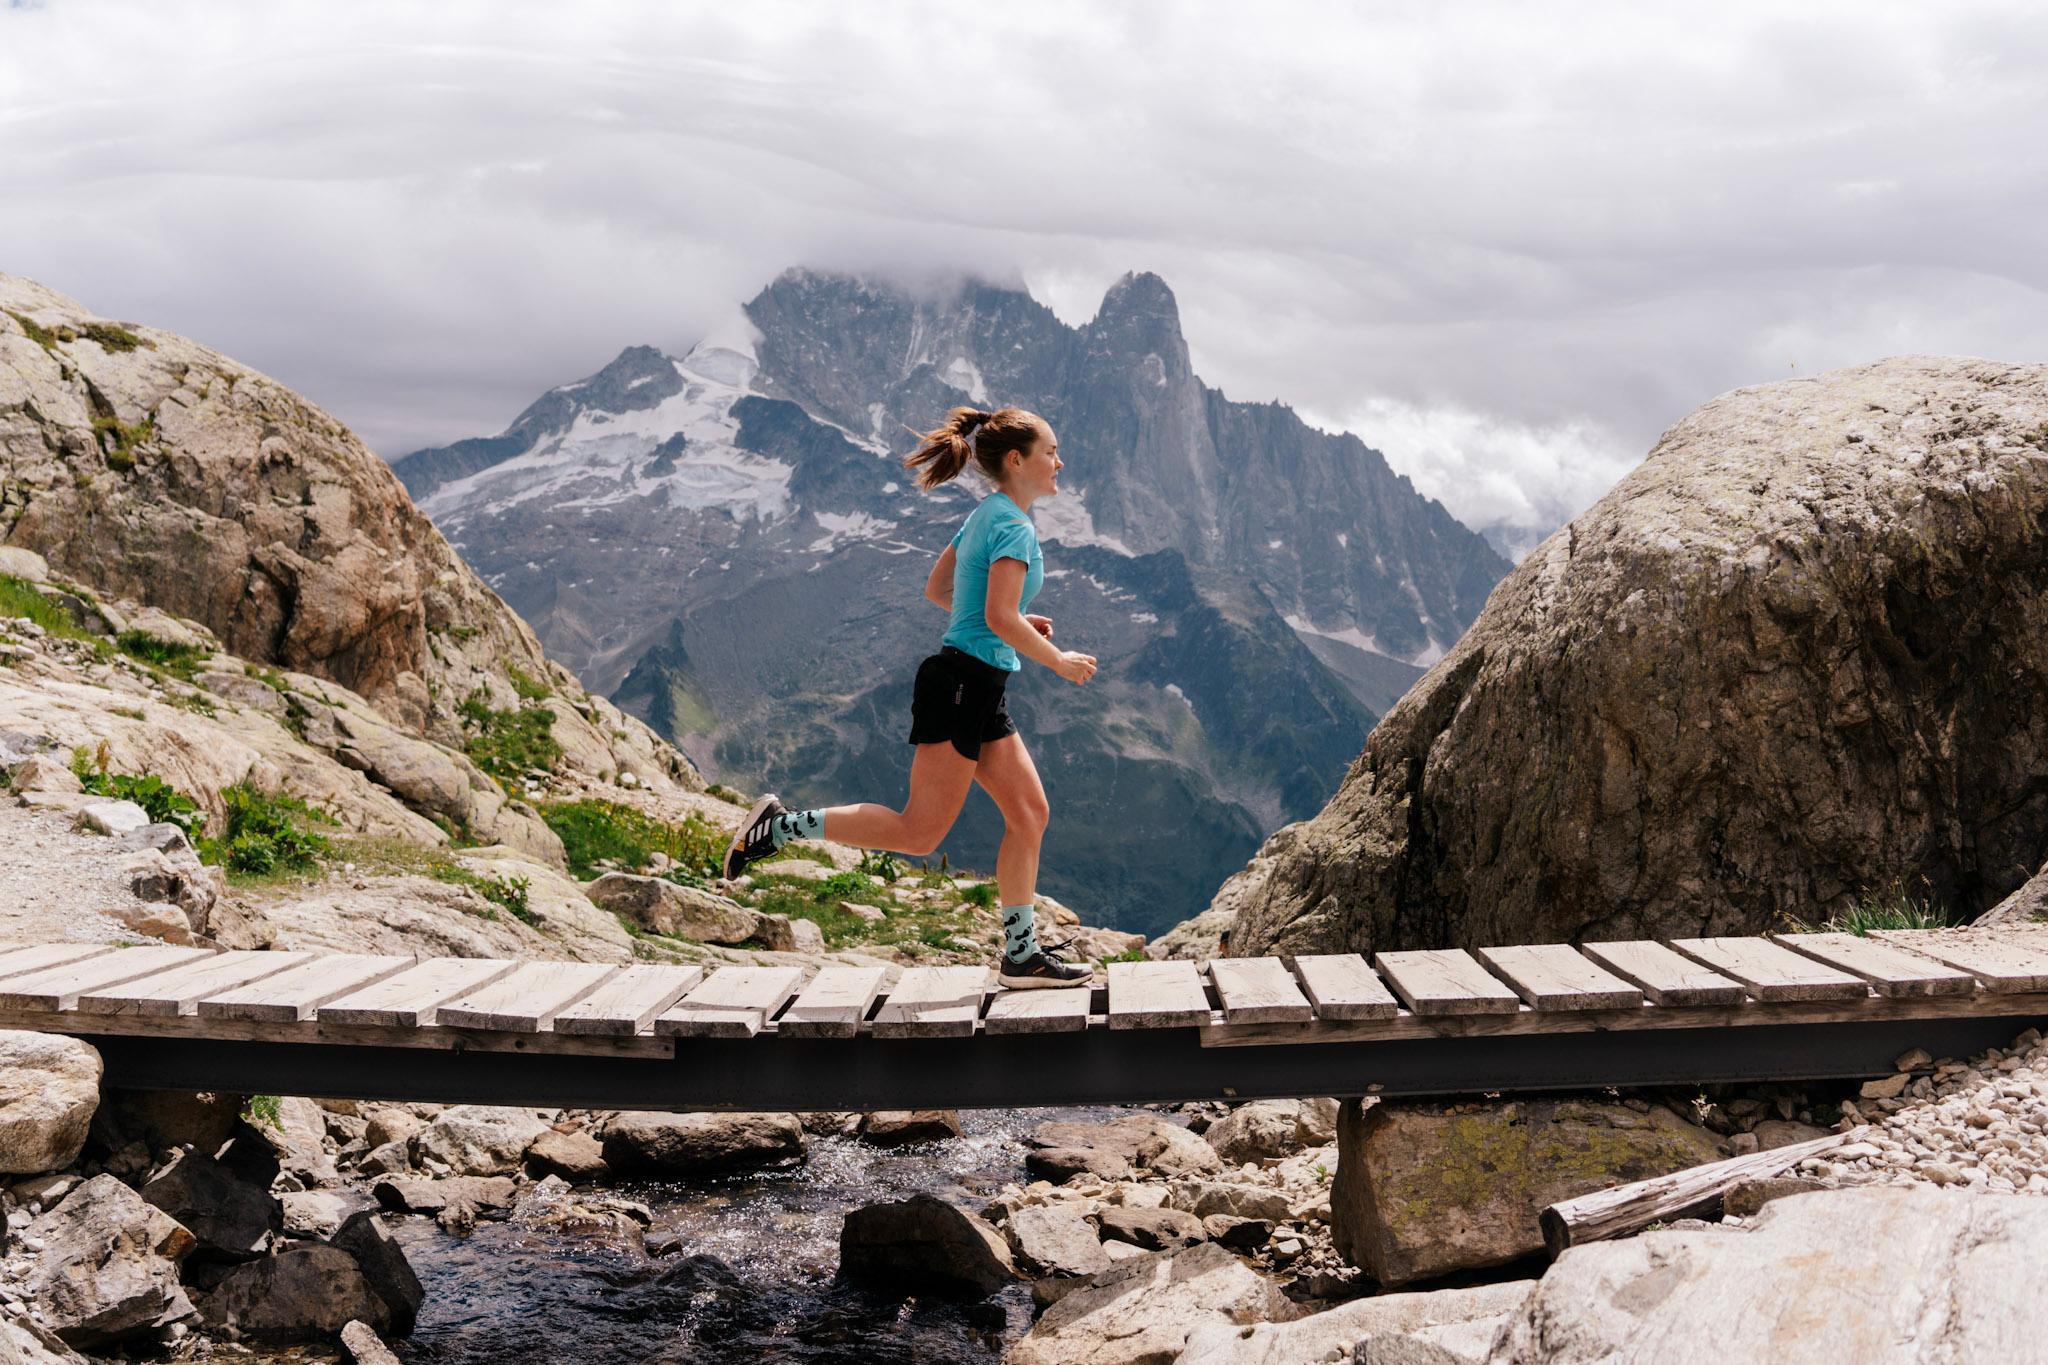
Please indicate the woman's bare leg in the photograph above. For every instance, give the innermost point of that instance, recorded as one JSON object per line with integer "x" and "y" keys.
{"x": 1007, "y": 773}
{"x": 939, "y": 779}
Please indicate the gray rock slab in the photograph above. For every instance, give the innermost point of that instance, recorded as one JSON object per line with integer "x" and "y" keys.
{"x": 924, "y": 1245}
{"x": 1333, "y": 1333}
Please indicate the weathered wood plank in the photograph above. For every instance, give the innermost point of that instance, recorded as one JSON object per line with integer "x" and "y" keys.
{"x": 628, "y": 1003}
{"x": 292, "y": 995}
{"x": 1258, "y": 990}
{"x": 37, "y": 956}
{"x": 1772, "y": 973}
{"x": 1047, "y": 1011}
{"x": 1890, "y": 970}
{"x": 58, "y": 987}
{"x": 1344, "y": 986}
{"x": 2002, "y": 965}
{"x": 409, "y": 998}
{"x": 526, "y": 999}
{"x": 311, "y": 1030}
{"x": 1438, "y": 981}
{"x": 1156, "y": 995}
{"x": 934, "y": 1002}
{"x": 1626, "y": 1208}
{"x": 1668, "y": 978}
{"x": 1554, "y": 976}
{"x": 834, "y": 1004}
{"x": 179, "y": 990}
{"x": 732, "y": 1002}
{"x": 1528, "y": 1021}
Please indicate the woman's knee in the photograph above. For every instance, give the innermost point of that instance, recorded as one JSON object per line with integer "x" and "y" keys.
{"x": 1028, "y": 820}
{"x": 921, "y": 839}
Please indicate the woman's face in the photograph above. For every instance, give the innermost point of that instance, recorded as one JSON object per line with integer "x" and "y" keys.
{"x": 1038, "y": 473}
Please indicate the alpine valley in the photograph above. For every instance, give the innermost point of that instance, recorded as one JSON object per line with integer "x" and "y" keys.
{"x": 727, "y": 544}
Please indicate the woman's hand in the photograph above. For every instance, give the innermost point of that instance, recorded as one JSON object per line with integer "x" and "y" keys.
{"x": 1075, "y": 668}
{"x": 1041, "y": 624}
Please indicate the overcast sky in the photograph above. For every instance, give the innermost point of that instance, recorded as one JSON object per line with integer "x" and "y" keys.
{"x": 1506, "y": 244}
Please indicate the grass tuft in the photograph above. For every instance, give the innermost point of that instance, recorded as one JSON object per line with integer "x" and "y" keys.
{"x": 594, "y": 832}
{"x": 180, "y": 661}
{"x": 1892, "y": 907}
{"x": 508, "y": 744}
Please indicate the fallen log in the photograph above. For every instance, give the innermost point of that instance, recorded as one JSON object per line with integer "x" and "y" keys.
{"x": 1626, "y": 1208}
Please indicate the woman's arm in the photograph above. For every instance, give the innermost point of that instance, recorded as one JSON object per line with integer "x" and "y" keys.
{"x": 939, "y": 587}
{"x": 1005, "y": 590}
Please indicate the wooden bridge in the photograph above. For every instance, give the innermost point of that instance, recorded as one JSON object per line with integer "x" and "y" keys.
{"x": 851, "y": 1037}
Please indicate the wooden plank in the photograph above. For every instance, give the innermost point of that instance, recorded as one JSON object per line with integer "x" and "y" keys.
{"x": 1890, "y": 970}
{"x": 1668, "y": 978}
{"x": 1772, "y": 973}
{"x": 179, "y": 990}
{"x": 1344, "y": 986}
{"x": 2024, "y": 1009}
{"x": 312, "y": 1031}
{"x": 409, "y": 998}
{"x": 58, "y": 987}
{"x": 628, "y": 1003}
{"x": 936, "y": 1002}
{"x": 1156, "y": 995}
{"x": 1445, "y": 981}
{"x": 1259, "y": 990}
{"x": 1999, "y": 964}
{"x": 1553, "y": 976}
{"x": 527, "y": 999}
{"x": 35, "y": 957}
{"x": 733, "y": 1002}
{"x": 292, "y": 996}
{"x": 1627, "y": 1208}
{"x": 834, "y": 1004}
{"x": 1047, "y": 1011}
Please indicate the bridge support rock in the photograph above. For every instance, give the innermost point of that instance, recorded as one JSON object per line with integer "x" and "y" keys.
{"x": 1422, "y": 1190}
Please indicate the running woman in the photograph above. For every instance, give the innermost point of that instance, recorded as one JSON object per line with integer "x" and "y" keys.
{"x": 959, "y": 721}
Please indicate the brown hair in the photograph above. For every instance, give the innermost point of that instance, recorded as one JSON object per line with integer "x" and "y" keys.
{"x": 985, "y": 436}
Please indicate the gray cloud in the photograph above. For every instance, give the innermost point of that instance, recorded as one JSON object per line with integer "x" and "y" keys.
{"x": 1508, "y": 244}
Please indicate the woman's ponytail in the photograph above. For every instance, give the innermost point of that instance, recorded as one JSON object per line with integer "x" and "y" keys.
{"x": 970, "y": 433}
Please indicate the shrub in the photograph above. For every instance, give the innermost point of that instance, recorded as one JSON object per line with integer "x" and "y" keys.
{"x": 882, "y": 865}
{"x": 266, "y": 1110}
{"x": 508, "y": 744}
{"x": 594, "y": 832}
{"x": 164, "y": 804}
{"x": 180, "y": 661}
{"x": 263, "y": 834}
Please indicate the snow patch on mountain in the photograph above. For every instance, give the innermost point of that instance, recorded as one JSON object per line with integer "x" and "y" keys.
{"x": 1065, "y": 518}
{"x": 964, "y": 375}
{"x": 1358, "y": 639}
{"x": 847, "y": 526}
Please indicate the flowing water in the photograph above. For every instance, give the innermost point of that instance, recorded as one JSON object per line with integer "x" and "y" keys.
{"x": 519, "y": 1292}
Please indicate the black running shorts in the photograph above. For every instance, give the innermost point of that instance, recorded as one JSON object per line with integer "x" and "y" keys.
{"x": 958, "y": 698}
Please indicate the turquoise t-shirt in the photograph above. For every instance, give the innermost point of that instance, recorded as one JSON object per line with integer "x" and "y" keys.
{"x": 996, "y": 529}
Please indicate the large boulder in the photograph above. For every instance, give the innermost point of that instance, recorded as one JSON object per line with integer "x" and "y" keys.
{"x": 478, "y": 1139}
{"x": 1798, "y": 654}
{"x": 154, "y": 469}
{"x": 304, "y": 1293}
{"x": 1424, "y": 1189}
{"x": 1333, "y": 1333}
{"x": 1874, "y": 1275}
{"x": 1052, "y": 1240}
{"x": 666, "y": 1145}
{"x": 924, "y": 1245}
{"x": 1142, "y": 1311}
{"x": 664, "y": 907}
{"x": 1272, "y": 1128}
{"x": 109, "y": 1266}
{"x": 169, "y": 1118}
{"x": 49, "y": 1088}
{"x": 230, "y": 1217}
{"x": 385, "y": 1269}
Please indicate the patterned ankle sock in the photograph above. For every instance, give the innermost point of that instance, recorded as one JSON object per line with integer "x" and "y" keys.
{"x": 797, "y": 824}
{"x": 1020, "y": 932}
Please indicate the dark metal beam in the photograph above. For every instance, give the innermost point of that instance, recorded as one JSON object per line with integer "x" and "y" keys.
{"x": 1100, "y": 1066}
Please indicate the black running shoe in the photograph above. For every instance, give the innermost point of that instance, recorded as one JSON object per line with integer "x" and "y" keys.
{"x": 1042, "y": 969}
{"x": 754, "y": 841}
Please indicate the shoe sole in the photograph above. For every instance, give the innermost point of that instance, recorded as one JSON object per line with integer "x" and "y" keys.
{"x": 1040, "y": 983}
{"x": 753, "y": 816}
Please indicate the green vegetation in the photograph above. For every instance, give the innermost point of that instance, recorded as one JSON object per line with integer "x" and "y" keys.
{"x": 594, "y": 832}
{"x": 1892, "y": 907}
{"x": 1127, "y": 955}
{"x": 266, "y": 1111}
{"x": 165, "y": 804}
{"x": 505, "y": 890}
{"x": 528, "y": 688}
{"x": 180, "y": 661}
{"x": 726, "y": 794}
{"x": 111, "y": 335}
{"x": 269, "y": 677}
{"x": 265, "y": 835}
{"x": 883, "y": 865}
{"x": 508, "y": 744}
{"x": 983, "y": 894}
{"x": 119, "y": 440}
{"x": 19, "y": 598}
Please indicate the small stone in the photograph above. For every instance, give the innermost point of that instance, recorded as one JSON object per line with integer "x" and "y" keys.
{"x": 1912, "y": 1059}
{"x": 1891, "y": 1087}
